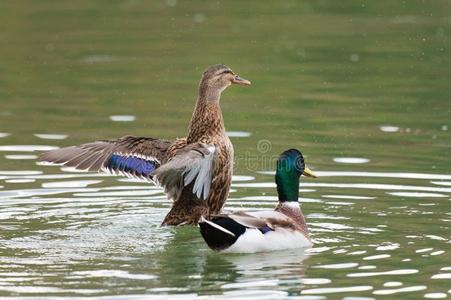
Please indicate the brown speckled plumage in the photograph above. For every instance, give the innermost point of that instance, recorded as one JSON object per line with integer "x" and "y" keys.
{"x": 207, "y": 126}
{"x": 205, "y": 130}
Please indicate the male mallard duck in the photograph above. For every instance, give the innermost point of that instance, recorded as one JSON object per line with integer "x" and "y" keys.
{"x": 196, "y": 171}
{"x": 257, "y": 231}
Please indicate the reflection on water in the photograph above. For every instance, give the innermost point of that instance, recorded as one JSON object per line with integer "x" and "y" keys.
{"x": 20, "y": 157}
{"x": 27, "y": 148}
{"x": 238, "y": 134}
{"x": 51, "y": 136}
{"x": 351, "y": 160}
{"x": 123, "y": 118}
{"x": 389, "y": 128}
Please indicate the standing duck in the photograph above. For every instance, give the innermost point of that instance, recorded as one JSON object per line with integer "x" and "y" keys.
{"x": 258, "y": 231}
{"x": 195, "y": 172}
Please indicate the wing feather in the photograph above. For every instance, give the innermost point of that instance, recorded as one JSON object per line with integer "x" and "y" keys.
{"x": 261, "y": 219}
{"x": 128, "y": 156}
{"x": 192, "y": 165}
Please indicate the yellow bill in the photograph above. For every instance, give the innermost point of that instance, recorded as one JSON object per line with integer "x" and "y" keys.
{"x": 309, "y": 173}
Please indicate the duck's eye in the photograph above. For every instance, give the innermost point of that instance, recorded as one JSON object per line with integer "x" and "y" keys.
{"x": 227, "y": 72}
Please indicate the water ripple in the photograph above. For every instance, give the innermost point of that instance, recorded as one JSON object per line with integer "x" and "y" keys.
{"x": 45, "y": 136}
{"x": 27, "y": 148}
{"x": 20, "y": 157}
{"x": 333, "y": 290}
{"x": 74, "y": 183}
{"x": 400, "y": 290}
{"x": 122, "y": 118}
{"x": 394, "y": 272}
{"x": 338, "y": 266}
{"x": 114, "y": 273}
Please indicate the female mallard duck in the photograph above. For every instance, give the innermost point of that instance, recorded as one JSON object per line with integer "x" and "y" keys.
{"x": 195, "y": 172}
{"x": 257, "y": 231}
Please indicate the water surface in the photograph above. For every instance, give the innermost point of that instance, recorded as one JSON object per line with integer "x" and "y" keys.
{"x": 362, "y": 88}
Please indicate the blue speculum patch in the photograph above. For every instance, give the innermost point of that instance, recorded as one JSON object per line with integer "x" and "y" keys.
{"x": 131, "y": 164}
{"x": 265, "y": 229}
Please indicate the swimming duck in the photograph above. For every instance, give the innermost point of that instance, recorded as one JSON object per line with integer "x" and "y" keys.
{"x": 195, "y": 172}
{"x": 258, "y": 231}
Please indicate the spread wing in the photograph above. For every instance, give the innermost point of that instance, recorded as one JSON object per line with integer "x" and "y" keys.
{"x": 194, "y": 165}
{"x": 129, "y": 155}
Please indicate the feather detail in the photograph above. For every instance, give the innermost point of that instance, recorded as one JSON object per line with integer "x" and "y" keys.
{"x": 203, "y": 174}
{"x": 213, "y": 224}
{"x": 132, "y": 165}
{"x": 129, "y": 156}
{"x": 193, "y": 165}
{"x": 248, "y": 220}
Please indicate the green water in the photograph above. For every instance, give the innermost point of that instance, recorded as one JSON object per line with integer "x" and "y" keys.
{"x": 337, "y": 79}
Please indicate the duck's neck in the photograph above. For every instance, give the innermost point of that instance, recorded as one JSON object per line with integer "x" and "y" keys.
{"x": 287, "y": 187}
{"x": 207, "y": 116}
{"x": 288, "y": 190}
{"x": 293, "y": 210}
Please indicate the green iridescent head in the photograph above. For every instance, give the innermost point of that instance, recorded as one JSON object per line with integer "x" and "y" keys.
{"x": 290, "y": 166}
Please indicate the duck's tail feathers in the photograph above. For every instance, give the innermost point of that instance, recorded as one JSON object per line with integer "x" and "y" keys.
{"x": 220, "y": 232}
{"x": 213, "y": 224}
